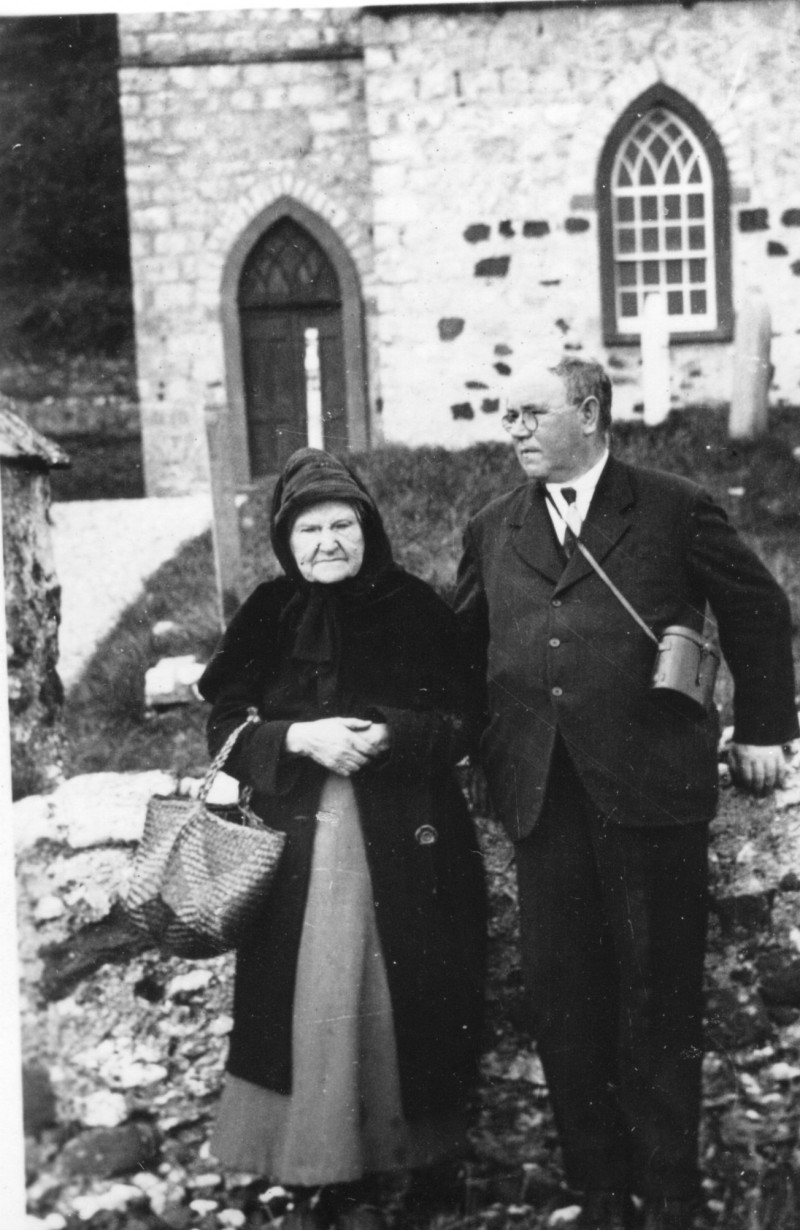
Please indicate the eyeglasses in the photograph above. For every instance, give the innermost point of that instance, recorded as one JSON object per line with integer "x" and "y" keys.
{"x": 528, "y": 415}
{"x": 531, "y": 416}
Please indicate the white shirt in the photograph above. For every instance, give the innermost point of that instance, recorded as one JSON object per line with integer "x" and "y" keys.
{"x": 574, "y": 514}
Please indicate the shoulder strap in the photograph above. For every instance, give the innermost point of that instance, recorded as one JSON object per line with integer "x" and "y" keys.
{"x": 603, "y": 575}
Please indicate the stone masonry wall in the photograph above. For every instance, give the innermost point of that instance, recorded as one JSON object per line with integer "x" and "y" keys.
{"x": 455, "y": 155}
{"x": 224, "y": 112}
{"x": 33, "y": 605}
{"x": 485, "y": 132}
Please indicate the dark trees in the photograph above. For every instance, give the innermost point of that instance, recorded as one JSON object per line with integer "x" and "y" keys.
{"x": 63, "y": 222}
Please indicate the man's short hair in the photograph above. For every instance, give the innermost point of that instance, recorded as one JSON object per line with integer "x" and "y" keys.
{"x": 586, "y": 378}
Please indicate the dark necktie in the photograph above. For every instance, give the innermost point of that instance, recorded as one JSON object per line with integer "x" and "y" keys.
{"x": 570, "y": 540}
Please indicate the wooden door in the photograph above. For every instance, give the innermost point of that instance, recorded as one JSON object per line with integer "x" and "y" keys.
{"x": 287, "y": 286}
{"x": 274, "y": 389}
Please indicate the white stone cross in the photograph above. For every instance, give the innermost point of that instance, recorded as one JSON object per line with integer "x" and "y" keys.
{"x": 316, "y": 436}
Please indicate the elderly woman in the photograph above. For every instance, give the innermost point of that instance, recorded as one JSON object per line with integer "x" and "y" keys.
{"x": 357, "y": 1002}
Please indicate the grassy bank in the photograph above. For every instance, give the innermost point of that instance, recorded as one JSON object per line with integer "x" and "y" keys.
{"x": 426, "y": 496}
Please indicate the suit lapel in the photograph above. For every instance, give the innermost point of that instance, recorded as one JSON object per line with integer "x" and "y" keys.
{"x": 532, "y": 534}
{"x": 606, "y": 522}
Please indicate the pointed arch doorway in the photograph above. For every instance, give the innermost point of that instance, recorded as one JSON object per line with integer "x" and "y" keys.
{"x": 288, "y": 274}
{"x": 289, "y": 287}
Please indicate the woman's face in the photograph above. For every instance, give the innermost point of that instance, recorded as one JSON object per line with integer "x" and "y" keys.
{"x": 327, "y": 542}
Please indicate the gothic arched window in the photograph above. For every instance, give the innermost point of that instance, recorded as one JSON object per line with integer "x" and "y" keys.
{"x": 288, "y": 268}
{"x": 664, "y": 223}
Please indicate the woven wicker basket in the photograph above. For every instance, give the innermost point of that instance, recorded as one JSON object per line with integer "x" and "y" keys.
{"x": 199, "y": 879}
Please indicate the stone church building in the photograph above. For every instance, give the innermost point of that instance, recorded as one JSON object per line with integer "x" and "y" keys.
{"x": 409, "y": 198}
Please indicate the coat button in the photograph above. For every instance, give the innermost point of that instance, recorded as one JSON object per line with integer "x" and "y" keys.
{"x": 426, "y": 835}
{"x": 558, "y": 691}
{"x": 554, "y": 642}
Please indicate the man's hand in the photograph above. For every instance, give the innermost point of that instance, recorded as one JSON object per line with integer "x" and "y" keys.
{"x": 759, "y": 769}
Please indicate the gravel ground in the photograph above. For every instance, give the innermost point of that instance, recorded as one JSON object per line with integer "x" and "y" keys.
{"x": 104, "y": 551}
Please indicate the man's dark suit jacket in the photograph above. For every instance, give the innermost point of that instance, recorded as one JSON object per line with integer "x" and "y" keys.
{"x": 558, "y": 652}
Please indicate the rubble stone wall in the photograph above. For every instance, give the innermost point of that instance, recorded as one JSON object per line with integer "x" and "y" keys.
{"x": 33, "y": 601}
{"x": 454, "y": 150}
{"x": 486, "y": 129}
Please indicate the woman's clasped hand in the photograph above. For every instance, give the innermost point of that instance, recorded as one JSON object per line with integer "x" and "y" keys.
{"x": 341, "y": 744}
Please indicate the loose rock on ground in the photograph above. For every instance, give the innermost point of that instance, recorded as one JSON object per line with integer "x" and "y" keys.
{"x": 125, "y": 1049}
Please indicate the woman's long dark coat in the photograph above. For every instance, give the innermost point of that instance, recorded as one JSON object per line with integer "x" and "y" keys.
{"x": 398, "y": 662}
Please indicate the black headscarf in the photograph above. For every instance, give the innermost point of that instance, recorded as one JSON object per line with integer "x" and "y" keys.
{"x": 310, "y": 477}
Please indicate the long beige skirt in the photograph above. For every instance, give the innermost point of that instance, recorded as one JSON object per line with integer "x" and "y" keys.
{"x": 343, "y": 1118}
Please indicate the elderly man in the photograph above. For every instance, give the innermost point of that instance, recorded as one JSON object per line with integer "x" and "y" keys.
{"x": 606, "y": 786}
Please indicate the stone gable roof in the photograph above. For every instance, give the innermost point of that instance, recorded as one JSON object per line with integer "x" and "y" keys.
{"x": 19, "y": 442}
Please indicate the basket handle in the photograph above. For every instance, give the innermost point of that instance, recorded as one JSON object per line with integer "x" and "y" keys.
{"x": 223, "y": 753}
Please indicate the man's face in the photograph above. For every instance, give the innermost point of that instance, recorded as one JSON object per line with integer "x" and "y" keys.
{"x": 548, "y": 432}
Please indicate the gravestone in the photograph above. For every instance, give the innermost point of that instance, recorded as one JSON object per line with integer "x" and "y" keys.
{"x": 655, "y": 360}
{"x": 752, "y": 371}
{"x": 225, "y": 520}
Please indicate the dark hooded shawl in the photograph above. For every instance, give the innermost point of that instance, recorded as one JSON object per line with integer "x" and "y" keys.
{"x": 383, "y": 646}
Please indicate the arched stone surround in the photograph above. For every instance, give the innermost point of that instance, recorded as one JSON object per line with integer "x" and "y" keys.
{"x": 701, "y": 92}
{"x": 331, "y": 228}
